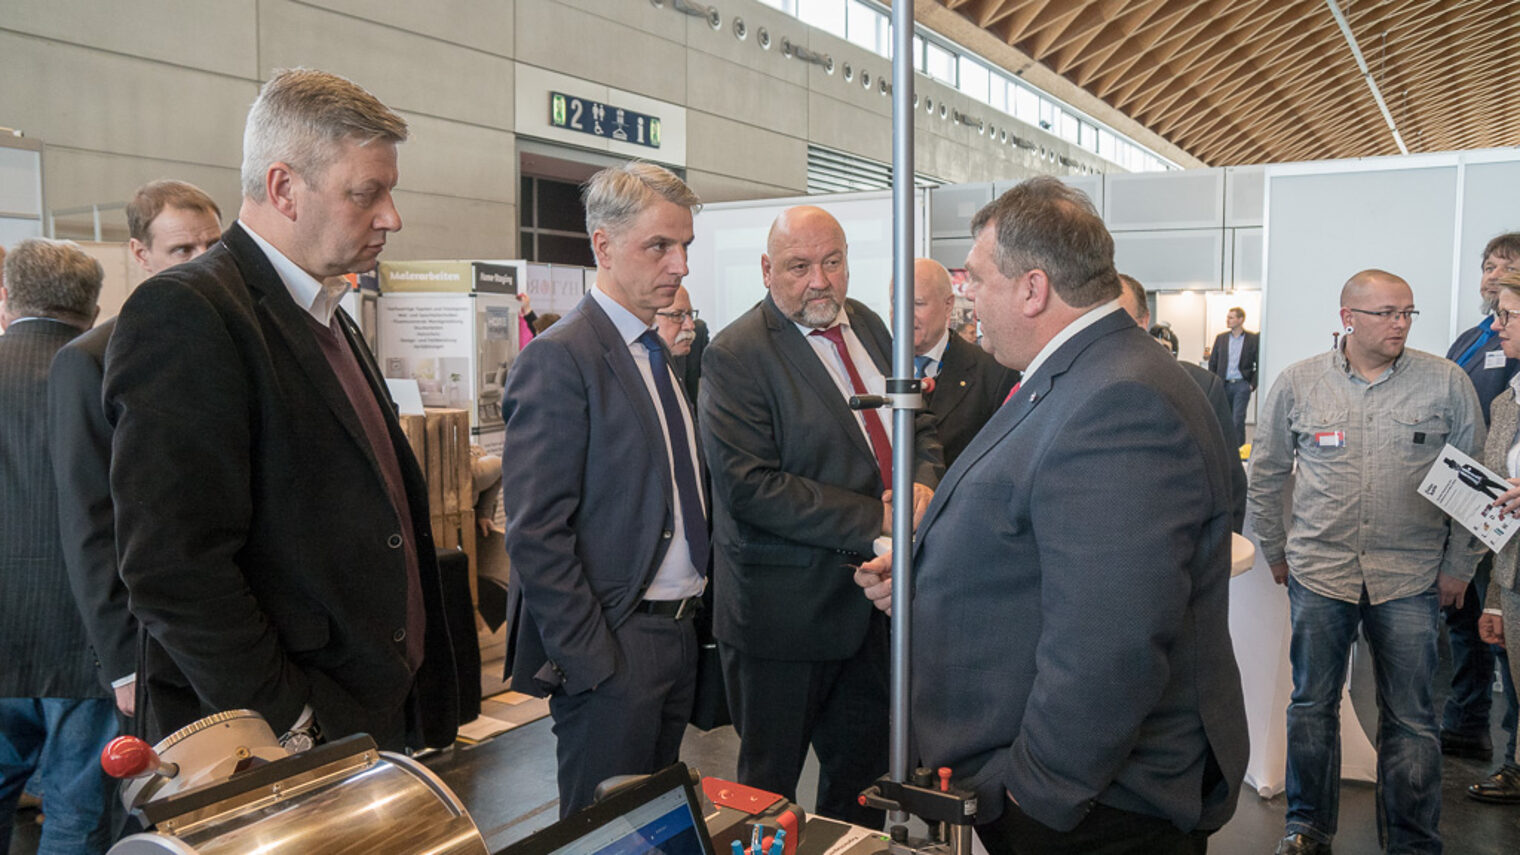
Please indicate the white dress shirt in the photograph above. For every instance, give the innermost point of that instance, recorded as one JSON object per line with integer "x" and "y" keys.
{"x": 872, "y": 377}
{"x": 677, "y": 576}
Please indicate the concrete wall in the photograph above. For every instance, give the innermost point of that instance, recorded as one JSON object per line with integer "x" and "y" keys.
{"x": 126, "y": 91}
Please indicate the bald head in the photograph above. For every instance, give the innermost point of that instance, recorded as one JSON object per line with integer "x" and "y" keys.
{"x": 805, "y": 266}
{"x": 804, "y": 220}
{"x": 1369, "y": 283}
{"x": 932, "y": 302}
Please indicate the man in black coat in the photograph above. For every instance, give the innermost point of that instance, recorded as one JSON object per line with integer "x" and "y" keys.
{"x": 54, "y": 716}
{"x": 169, "y": 222}
{"x": 272, "y": 523}
{"x": 798, "y": 483}
{"x": 963, "y": 384}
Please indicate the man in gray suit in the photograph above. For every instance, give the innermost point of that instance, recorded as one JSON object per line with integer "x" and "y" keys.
{"x": 799, "y": 487}
{"x": 170, "y": 222}
{"x": 1071, "y": 653}
{"x": 606, "y": 517}
{"x": 54, "y": 716}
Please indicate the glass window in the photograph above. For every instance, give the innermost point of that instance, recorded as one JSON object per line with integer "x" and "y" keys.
{"x": 918, "y": 55}
{"x": 939, "y": 63}
{"x": 1026, "y": 104}
{"x": 1067, "y": 126}
{"x": 826, "y": 15}
{"x": 997, "y": 93}
{"x": 864, "y": 25}
{"x": 974, "y": 78}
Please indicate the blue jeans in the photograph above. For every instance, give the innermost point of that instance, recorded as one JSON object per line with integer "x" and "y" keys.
{"x": 1402, "y": 636}
{"x": 1239, "y": 393}
{"x": 60, "y": 739}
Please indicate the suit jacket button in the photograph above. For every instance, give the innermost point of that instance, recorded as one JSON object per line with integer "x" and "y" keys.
{"x": 665, "y": 535}
{"x": 394, "y": 542}
{"x": 398, "y": 636}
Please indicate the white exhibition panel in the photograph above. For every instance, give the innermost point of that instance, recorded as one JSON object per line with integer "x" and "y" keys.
{"x": 953, "y": 206}
{"x": 1490, "y": 206}
{"x": 1243, "y": 186}
{"x": 1327, "y": 221}
{"x": 1190, "y": 199}
{"x": 1172, "y": 260}
{"x": 725, "y": 278}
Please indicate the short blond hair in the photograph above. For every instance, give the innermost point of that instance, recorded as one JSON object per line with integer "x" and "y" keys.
{"x": 302, "y": 117}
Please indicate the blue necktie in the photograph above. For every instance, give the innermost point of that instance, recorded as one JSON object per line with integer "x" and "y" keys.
{"x": 692, "y": 516}
{"x": 921, "y": 365}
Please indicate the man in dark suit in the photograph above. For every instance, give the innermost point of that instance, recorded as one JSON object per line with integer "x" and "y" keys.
{"x": 272, "y": 523}
{"x": 1233, "y": 358}
{"x": 964, "y": 385}
{"x": 606, "y": 518}
{"x": 1071, "y": 655}
{"x": 169, "y": 222}
{"x": 54, "y": 715}
{"x": 799, "y": 485}
{"x": 1132, "y": 298}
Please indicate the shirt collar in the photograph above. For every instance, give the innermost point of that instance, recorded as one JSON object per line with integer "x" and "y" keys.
{"x": 1082, "y": 322}
{"x": 937, "y": 352}
{"x": 318, "y": 299}
{"x": 1344, "y": 364}
{"x": 628, "y": 324}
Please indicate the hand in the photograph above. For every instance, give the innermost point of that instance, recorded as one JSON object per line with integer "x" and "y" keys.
{"x": 126, "y": 698}
{"x": 922, "y": 496}
{"x": 1279, "y": 572}
{"x": 1491, "y": 629}
{"x": 1453, "y": 590}
{"x": 524, "y": 301}
{"x": 875, "y": 577}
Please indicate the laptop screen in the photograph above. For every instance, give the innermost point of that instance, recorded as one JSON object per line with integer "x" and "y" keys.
{"x": 659, "y": 814}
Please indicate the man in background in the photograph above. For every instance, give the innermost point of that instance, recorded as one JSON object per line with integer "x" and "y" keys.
{"x": 800, "y": 487}
{"x": 1465, "y": 720}
{"x": 1134, "y": 302}
{"x": 607, "y": 523}
{"x": 678, "y": 326}
{"x": 1233, "y": 358}
{"x": 1358, "y": 428}
{"x": 170, "y": 222}
{"x": 54, "y": 715}
{"x": 964, "y": 385}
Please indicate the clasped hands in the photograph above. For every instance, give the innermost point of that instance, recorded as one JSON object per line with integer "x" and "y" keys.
{"x": 875, "y": 576}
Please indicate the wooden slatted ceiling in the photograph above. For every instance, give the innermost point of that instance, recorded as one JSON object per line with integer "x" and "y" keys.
{"x": 1262, "y": 81}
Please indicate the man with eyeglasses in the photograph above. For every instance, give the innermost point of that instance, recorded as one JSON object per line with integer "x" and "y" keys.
{"x": 685, "y": 337}
{"x": 1365, "y": 422}
{"x": 1465, "y": 719}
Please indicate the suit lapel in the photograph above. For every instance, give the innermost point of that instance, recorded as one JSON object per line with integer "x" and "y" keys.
{"x": 1033, "y": 391}
{"x": 620, "y": 362}
{"x": 955, "y": 379}
{"x": 804, "y": 360}
{"x": 292, "y": 325}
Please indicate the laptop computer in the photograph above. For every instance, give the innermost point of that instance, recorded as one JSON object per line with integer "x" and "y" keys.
{"x": 659, "y": 814}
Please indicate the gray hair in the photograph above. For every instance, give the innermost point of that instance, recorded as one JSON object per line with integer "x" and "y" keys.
{"x": 302, "y": 117}
{"x": 1044, "y": 224}
{"x": 52, "y": 279}
{"x": 618, "y": 194}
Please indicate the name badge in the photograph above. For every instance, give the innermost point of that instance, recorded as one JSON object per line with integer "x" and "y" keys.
{"x": 1330, "y": 439}
{"x": 1493, "y": 359}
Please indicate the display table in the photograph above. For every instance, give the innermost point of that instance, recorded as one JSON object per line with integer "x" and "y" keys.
{"x": 1259, "y": 628}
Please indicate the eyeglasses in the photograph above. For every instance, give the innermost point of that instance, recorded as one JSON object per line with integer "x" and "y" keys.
{"x": 1390, "y": 314}
{"x": 1505, "y": 316}
{"x": 679, "y": 317}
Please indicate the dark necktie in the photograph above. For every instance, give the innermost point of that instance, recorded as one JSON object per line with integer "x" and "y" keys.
{"x": 874, "y": 429}
{"x": 692, "y": 516}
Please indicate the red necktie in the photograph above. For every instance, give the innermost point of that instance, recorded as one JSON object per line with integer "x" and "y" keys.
{"x": 1013, "y": 391}
{"x": 874, "y": 429}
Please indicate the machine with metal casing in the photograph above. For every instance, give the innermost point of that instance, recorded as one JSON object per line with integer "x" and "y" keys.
{"x": 224, "y": 785}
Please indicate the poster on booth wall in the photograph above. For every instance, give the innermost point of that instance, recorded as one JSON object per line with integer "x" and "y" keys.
{"x": 497, "y": 340}
{"x": 428, "y": 337}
